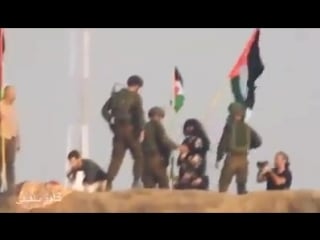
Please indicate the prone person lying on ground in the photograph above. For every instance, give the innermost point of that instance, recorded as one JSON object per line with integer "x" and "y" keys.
{"x": 94, "y": 179}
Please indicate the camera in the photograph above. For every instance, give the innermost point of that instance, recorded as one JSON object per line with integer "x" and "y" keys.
{"x": 261, "y": 165}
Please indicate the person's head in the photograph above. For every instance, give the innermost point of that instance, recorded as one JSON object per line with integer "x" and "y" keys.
{"x": 75, "y": 159}
{"x": 156, "y": 113}
{"x": 194, "y": 127}
{"x": 191, "y": 126}
{"x": 134, "y": 83}
{"x": 281, "y": 160}
{"x": 237, "y": 111}
{"x": 9, "y": 94}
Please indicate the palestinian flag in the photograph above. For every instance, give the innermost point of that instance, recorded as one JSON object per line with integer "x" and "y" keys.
{"x": 246, "y": 71}
{"x": 178, "y": 95}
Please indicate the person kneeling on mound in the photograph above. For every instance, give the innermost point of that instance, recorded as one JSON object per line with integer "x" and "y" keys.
{"x": 192, "y": 157}
{"x": 94, "y": 178}
{"x": 189, "y": 175}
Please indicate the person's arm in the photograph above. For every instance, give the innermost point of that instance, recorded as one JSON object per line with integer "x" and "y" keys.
{"x": 261, "y": 177}
{"x": 140, "y": 114}
{"x": 164, "y": 140}
{"x": 222, "y": 146}
{"x": 18, "y": 138}
{"x": 71, "y": 175}
{"x": 105, "y": 111}
{"x": 18, "y": 142}
{"x": 288, "y": 176}
{"x": 280, "y": 180}
{"x": 256, "y": 140}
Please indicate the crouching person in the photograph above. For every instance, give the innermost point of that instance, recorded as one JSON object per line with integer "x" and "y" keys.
{"x": 157, "y": 148}
{"x": 192, "y": 158}
{"x": 191, "y": 175}
{"x": 94, "y": 178}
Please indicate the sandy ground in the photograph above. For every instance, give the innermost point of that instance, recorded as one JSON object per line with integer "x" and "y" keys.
{"x": 146, "y": 201}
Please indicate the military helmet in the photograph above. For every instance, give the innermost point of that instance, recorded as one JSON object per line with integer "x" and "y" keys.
{"x": 236, "y": 108}
{"x": 156, "y": 111}
{"x": 135, "y": 80}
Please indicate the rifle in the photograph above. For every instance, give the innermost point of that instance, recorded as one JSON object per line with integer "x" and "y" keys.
{"x": 115, "y": 88}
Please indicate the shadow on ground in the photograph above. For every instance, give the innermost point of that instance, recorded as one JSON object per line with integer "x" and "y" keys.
{"x": 145, "y": 201}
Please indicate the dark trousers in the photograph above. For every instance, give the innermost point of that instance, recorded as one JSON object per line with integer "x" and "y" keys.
{"x": 204, "y": 185}
{"x": 10, "y": 155}
{"x": 124, "y": 139}
{"x": 154, "y": 171}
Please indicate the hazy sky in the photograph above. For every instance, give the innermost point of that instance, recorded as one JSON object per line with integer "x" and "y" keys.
{"x": 37, "y": 62}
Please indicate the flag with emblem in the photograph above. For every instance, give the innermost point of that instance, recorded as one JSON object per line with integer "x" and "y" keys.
{"x": 246, "y": 71}
{"x": 178, "y": 94}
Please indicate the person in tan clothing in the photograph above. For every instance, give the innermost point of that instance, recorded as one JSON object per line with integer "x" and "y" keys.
{"x": 9, "y": 134}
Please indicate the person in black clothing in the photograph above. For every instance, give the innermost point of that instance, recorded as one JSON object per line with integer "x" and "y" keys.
{"x": 192, "y": 158}
{"x": 278, "y": 178}
{"x": 95, "y": 179}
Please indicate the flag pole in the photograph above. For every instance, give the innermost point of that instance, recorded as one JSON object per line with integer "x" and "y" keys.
{"x": 72, "y": 67}
{"x": 4, "y": 184}
{"x": 85, "y": 80}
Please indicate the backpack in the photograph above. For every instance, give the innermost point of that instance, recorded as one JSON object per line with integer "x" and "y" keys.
{"x": 121, "y": 103}
{"x": 240, "y": 137}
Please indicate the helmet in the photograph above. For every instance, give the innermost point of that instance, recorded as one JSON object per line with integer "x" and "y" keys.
{"x": 135, "y": 80}
{"x": 156, "y": 111}
{"x": 236, "y": 108}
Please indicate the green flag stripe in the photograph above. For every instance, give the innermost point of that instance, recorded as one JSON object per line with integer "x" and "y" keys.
{"x": 178, "y": 102}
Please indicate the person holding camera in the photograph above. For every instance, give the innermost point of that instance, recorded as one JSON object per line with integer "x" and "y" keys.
{"x": 277, "y": 178}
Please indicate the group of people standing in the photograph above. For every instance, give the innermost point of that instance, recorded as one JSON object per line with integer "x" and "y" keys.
{"x": 149, "y": 144}
{"x": 151, "y": 147}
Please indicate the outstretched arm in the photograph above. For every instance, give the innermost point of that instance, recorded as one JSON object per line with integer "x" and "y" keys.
{"x": 256, "y": 140}
{"x": 261, "y": 177}
{"x": 164, "y": 139}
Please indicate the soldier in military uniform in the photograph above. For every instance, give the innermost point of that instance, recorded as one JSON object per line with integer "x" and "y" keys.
{"x": 124, "y": 113}
{"x": 236, "y": 141}
{"x": 157, "y": 148}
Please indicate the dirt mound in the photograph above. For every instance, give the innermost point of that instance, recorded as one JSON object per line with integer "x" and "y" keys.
{"x": 172, "y": 201}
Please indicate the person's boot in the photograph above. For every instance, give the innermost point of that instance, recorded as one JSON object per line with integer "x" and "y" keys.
{"x": 241, "y": 188}
{"x": 136, "y": 184}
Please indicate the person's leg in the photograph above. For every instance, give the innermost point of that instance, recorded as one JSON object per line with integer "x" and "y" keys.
{"x": 242, "y": 175}
{"x": 117, "y": 156}
{"x": 136, "y": 153}
{"x": 160, "y": 171}
{"x": 10, "y": 161}
{"x": 226, "y": 174}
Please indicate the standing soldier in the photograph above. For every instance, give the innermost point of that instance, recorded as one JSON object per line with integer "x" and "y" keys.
{"x": 236, "y": 141}
{"x": 157, "y": 148}
{"x": 124, "y": 113}
{"x": 9, "y": 135}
